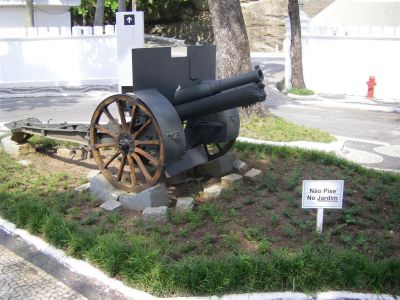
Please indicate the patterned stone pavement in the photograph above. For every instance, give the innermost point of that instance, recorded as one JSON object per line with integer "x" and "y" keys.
{"x": 19, "y": 279}
{"x": 28, "y": 273}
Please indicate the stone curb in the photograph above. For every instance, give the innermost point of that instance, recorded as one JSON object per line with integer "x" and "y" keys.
{"x": 315, "y": 100}
{"x": 85, "y": 269}
{"x": 349, "y": 105}
{"x": 331, "y": 147}
{"x": 79, "y": 91}
{"x": 39, "y": 94}
{"x": 334, "y": 147}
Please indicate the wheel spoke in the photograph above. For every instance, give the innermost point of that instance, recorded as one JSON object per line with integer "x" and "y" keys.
{"x": 132, "y": 169}
{"x": 149, "y": 157}
{"x": 142, "y": 167}
{"x": 147, "y": 142}
{"x": 138, "y": 133}
{"x": 111, "y": 118}
{"x": 133, "y": 118}
{"x": 120, "y": 121}
{"x": 116, "y": 154}
{"x": 122, "y": 115}
{"x": 105, "y": 145}
{"x": 121, "y": 167}
{"x": 106, "y": 131}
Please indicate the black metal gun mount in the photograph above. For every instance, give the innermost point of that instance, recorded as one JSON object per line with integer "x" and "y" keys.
{"x": 177, "y": 117}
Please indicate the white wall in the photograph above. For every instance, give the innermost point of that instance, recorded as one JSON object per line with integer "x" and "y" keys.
{"x": 340, "y": 60}
{"x": 43, "y": 16}
{"x": 342, "y": 65}
{"x": 14, "y": 16}
{"x": 52, "y": 16}
{"x": 58, "y": 60}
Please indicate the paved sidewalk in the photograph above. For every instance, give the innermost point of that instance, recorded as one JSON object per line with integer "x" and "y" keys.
{"x": 19, "y": 279}
{"x": 27, "y": 273}
{"x": 349, "y": 102}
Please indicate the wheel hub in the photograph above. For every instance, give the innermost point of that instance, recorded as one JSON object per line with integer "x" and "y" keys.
{"x": 126, "y": 143}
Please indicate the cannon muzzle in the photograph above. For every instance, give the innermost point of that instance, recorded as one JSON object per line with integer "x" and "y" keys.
{"x": 240, "y": 96}
{"x": 213, "y": 87}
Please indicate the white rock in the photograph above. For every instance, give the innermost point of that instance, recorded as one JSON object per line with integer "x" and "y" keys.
{"x": 212, "y": 192}
{"x": 254, "y": 175}
{"x": 25, "y": 163}
{"x": 155, "y": 214}
{"x": 184, "y": 204}
{"x": 103, "y": 190}
{"x": 231, "y": 180}
{"x": 110, "y": 205}
{"x": 217, "y": 167}
{"x": 240, "y": 166}
{"x": 82, "y": 188}
{"x": 92, "y": 174}
{"x": 154, "y": 196}
{"x": 66, "y": 153}
{"x": 14, "y": 149}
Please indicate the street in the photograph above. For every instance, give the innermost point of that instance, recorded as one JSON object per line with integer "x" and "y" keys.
{"x": 369, "y": 129}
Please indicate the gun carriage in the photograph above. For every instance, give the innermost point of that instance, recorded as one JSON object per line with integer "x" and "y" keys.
{"x": 176, "y": 117}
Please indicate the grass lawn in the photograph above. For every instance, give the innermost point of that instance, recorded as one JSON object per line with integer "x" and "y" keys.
{"x": 279, "y": 130}
{"x": 253, "y": 238}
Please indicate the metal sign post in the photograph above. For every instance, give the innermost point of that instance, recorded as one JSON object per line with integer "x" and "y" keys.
{"x": 130, "y": 34}
{"x": 322, "y": 194}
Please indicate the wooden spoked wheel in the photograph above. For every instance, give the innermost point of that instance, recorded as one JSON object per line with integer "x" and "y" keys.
{"x": 216, "y": 150}
{"x": 126, "y": 143}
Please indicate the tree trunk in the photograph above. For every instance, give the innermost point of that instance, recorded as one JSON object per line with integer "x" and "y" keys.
{"x": 29, "y": 19}
{"x": 99, "y": 14}
{"x": 230, "y": 37}
{"x": 296, "y": 57}
{"x": 121, "y": 5}
{"x": 133, "y": 5}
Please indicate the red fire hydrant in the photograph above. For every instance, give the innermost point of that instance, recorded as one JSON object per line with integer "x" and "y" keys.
{"x": 371, "y": 86}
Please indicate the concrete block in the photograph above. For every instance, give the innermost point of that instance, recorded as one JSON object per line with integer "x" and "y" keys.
{"x": 212, "y": 192}
{"x": 253, "y": 175}
{"x": 154, "y": 196}
{"x": 103, "y": 190}
{"x": 92, "y": 174}
{"x": 231, "y": 180}
{"x": 24, "y": 163}
{"x": 14, "y": 149}
{"x": 158, "y": 214}
{"x": 240, "y": 166}
{"x": 111, "y": 205}
{"x": 184, "y": 204}
{"x": 217, "y": 167}
{"x": 82, "y": 188}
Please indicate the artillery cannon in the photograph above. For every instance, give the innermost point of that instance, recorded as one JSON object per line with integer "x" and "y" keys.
{"x": 176, "y": 117}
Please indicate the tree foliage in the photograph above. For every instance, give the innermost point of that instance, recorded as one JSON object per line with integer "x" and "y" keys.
{"x": 155, "y": 9}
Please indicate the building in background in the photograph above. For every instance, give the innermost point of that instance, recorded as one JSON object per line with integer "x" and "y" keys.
{"x": 346, "y": 43}
{"x": 47, "y": 13}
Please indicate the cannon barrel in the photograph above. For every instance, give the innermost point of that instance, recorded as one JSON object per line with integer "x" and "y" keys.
{"x": 240, "y": 96}
{"x": 212, "y": 87}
